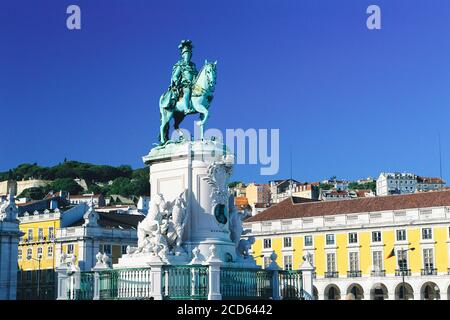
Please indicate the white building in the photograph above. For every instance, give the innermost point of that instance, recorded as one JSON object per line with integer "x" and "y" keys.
{"x": 396, "y": 183}
{"x": 404, "y": 183}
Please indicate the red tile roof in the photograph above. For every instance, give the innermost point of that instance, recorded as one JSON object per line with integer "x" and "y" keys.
{"x": 430, "y": 180}
{"x": 288, "y": 209}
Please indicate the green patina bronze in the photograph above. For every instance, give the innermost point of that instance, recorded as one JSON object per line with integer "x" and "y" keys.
{"x": 190, "y": 92}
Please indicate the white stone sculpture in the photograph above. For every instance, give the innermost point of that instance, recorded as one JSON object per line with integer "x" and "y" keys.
{"x": 105, "y": 259}
{"x": 219, "y": 173}
{"x": 62, "y": 259}
{"x": 9, "y": 210}
{"x": 91, "y": 217}
{"x": 195, "y": 253}
{"x": 161, "y": 232}
{"x": 98, "y": 257}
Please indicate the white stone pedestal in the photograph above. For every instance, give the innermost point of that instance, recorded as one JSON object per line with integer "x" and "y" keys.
{"x": 184, "y": 166}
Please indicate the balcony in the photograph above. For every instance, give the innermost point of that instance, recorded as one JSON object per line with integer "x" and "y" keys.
{"x": 405, "y": 272}
{"x": 354, "y": 274}
{"x": 331, "y": 274}
{"x": 378, "y": 273}
{"x": 428, "y": 272}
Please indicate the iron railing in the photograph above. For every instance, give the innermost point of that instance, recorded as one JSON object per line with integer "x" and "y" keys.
{"x": 428, "y": 272}
{"x": 291, "y": 285}
{"x": 331, "y": 274}
{"x": 185, "y": 282}
{"x": 354, "y": 274}
{"x": 378, "y": 273}
{"x": 401, "y": 272}
{"x": 128, "y": 284}
{"x": 238, "y": 283}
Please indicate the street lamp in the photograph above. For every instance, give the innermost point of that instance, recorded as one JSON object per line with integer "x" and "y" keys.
{"x": 38, "y": 275}
{"x": 402, "y": 268}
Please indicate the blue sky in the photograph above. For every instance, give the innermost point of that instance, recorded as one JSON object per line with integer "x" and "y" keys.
{"x": 348, "y": 101}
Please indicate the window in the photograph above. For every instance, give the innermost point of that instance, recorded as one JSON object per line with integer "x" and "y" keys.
{"x": 105, "y": 248}
{"x": 124, "y": 249}
{"x": 376, "y": 236}
{"x": 266, "y": 262}
{"x": 19, "y": 254}
{"x": 39, "y": 252}
{"x": 402, "y": 259}
{"x": 267, "y": 243}
{"x": 30, "y": 234}
{"x": 287, "y": 242}
{"x": 308, "y": 241}
{"x": 427, "y": 233}
{"x": 401, "y": 235}
{"x": 353, "y": 237}
{"x": 70, "y": 249}
{"x": 354, "y": 261}
{"x": 287, "y": 262}
{"x": 331, "y": 262}
{"x": 428, "y": 261}
{"x": 29, "y": 253}
{"x": 377, "y": 260}
{"x": 330, "y": 239}
{"x": 40, "y": 234}
{"x": 49, "y": 251}
{"x": 51, "y": 233}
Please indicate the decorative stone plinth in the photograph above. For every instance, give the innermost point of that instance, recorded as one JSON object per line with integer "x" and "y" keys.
{"x": 202, "y": 169}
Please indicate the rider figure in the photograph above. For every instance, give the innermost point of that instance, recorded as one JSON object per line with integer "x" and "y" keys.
{"x": 183, "y": 74}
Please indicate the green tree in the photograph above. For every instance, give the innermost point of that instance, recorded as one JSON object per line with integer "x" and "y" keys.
{"x": 66, "y": 184}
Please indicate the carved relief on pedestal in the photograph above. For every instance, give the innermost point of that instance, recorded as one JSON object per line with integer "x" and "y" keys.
{"x": 217, "y": 177}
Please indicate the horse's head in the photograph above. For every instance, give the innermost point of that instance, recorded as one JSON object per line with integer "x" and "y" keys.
{"x": 211, "y": 73}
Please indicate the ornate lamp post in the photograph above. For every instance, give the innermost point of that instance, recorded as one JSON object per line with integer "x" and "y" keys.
{"x": 38, "y": 275}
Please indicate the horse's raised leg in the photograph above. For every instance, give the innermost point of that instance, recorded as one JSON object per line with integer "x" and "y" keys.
{"x": 204, "y": 114}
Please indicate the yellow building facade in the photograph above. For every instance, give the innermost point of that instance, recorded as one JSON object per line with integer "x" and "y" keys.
{"x": 400, "y": 251}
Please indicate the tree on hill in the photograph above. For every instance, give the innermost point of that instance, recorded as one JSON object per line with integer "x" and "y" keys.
{"x": 65, "y": 184}
{"x": 36, "y": 193}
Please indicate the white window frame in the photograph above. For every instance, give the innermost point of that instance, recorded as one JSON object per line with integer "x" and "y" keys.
{"x": 290, "y": 242}
{"x": 381, "y": 260}
{"x": 326, "y": 239}
{"x": 19, "y": 254}
{"x": 28, "y": 234}
{"x": 286, "y": 257}
{"x": 396, "y": 235}
{"x": 40, "y": 234}
{"x": 334, "y": 261}
{"x": 433, "y": 256}
{"x": 40, "y": 251}
{"x": 70, "y": 247}
{"x": 380, "y": 239}
{"x": 357, "y": 238}
{"x": 49, "y": 251}
{"x": 422, "y": 233}
{"x": 29, "y": 253}
{"x": 358, "y": 266}
{"x": 312, "y": 241}
{"x": 269, "y": 240}
{"x": 51, "y": 233}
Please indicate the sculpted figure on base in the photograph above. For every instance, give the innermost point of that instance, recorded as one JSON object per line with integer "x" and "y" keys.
{"x": 162, "y": 229}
